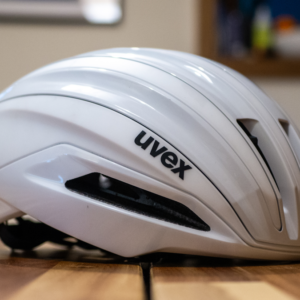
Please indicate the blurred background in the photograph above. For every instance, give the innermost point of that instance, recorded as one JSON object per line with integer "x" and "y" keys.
{"x": 260, "y": 38}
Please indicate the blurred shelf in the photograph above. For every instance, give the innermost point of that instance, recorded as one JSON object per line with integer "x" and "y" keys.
{"x": 275, "y": 67}
{"x": 267, "y": 67}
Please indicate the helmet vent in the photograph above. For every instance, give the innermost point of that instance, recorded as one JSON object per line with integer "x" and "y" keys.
{"x": 249, "y": 127}
{"x": 285, "y": 126}
{"x": 115, "y": 192}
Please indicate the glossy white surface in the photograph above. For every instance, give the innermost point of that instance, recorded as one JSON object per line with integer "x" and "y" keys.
{"x": 189, "y": 103}
{"x": 87, "y": 219}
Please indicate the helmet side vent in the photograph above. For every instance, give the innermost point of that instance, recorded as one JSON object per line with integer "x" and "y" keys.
{"x": 115, "y": 192}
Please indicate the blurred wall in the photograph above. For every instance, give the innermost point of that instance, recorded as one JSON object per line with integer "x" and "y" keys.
{"x": 169, "y": 24}
{"x": 286, "y": 91}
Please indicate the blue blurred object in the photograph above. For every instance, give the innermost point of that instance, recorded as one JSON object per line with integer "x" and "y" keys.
{"x": 231, "y": 29}
{"x": 247, "y": 7}
{"x": 286, "y": 7}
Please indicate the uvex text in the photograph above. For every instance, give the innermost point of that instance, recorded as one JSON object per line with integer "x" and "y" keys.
{"x": 168, "y": 159}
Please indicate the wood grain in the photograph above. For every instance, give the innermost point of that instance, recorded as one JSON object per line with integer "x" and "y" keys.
{"x": 236, "y": 280}
{"x": 81, "y": 281}
{"x": 218, "y": 290}
{"x": 15, "y": 273}
{"x": 53, "y": 273}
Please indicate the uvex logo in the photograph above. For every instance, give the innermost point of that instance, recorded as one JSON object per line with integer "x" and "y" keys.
{"x": 168, "y": 158}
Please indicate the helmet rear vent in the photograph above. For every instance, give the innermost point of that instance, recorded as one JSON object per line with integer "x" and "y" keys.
{"x": 252, "y": 128}
{"x": 115, "y": 192}
{"x": 285, "y": 126}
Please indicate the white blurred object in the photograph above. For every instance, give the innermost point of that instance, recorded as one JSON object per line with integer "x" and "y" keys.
{"x": 287, "y": 43}
{"x": 101, "y": 11}
{"x": 92, "y": 11}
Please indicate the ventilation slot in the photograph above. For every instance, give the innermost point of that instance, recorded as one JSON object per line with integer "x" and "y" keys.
{"x": 126, "y": 196}
{"x": 253, "y": 130}
{"x": 285, "y": 126}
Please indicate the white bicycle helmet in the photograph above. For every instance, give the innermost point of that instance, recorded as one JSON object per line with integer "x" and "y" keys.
{"x": 142, "y": 150}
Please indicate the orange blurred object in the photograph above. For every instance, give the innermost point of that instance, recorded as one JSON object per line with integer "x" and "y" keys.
{"x": 285, "y": 23}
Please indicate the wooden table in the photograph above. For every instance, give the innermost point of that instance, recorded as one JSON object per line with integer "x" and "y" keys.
{"x": 53, "y": 272}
